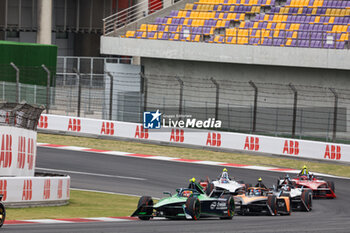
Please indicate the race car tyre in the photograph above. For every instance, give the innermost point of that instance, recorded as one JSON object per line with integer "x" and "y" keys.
{"x": 209, "y": 189}
{"x": 331, "y": 185}
{"x": 2, "y": 214}
{"x": 146, "y": 204}
{"x": 306, "y": 197}
{"x": 288, "y": 212}
{"x": 272, "y": 203}
{"x": 193, "y": 207}
{"x": 230, "y": 203}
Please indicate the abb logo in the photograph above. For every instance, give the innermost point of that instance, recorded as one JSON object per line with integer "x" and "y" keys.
{"x": 27, "y": 190}
{"x": 47, "y": 187}
{"x": 43, "y": 122}
{"x": 3, "y": 189}
{"x": 68, "y": 186}
{"x": 333, "y": 152}
{"x": 141, "y": 132}
{"x": 59, "y": 189}
{"x": 214, "y": 139}
{"x": 21, "y": 158}
{"x": 251, "y": 143}
{"x": 177, "y": 135}
{"x": 107, "y": 128}
{"x": 291, "y": 147}
{"x": 30, "y": 155}
{"x": 6, "y": 151}
{"x": 74, "y": 125}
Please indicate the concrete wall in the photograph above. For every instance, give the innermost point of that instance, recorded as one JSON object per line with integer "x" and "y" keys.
{"x": 228, "y": 53}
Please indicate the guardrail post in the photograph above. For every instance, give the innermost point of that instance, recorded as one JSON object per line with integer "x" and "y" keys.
{"x": 110, "y": 95}
{"x": 216, "y": 97}
{"x": 255, "y": 104}
{"x": 79, "y": 90}
{"x": 335, "y": 113}
{"x": 17, "y": 81}
{"x": 47, "y": 88}
{"x": 144, "y": 91}
{"x": 181, "y": 94}
{"x": 294, "y": 107}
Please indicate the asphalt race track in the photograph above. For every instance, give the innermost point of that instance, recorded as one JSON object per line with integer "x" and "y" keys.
{"x": 151, "y": 177}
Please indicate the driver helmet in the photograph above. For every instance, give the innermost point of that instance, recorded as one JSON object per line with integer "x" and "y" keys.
{"x": 187, "y": 193}
{"x": 285, "y": 188}
{"x": 257, "y": 192}
{"x": 224, "y": 173}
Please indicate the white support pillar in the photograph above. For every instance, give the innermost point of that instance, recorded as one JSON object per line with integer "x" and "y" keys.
{"x": 44, "y": 22}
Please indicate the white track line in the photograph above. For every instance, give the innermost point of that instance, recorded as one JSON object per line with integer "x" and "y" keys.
{"x": 91, "y": 174}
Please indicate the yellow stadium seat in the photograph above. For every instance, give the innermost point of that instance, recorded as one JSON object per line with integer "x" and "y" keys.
{"x": 241, "y": 17}
{"x": 232, "y": 8}
{"x": 314, "y": 11}
{"x": 331, "y": 20}
{"x": 242, "y": 24}
{"x": 189, "y": 6}
{"x": 169, "y": 21}
{"x": 295, "y": 35}
{"x": 300, "y": 11}
{"x": 143, "y": 27}
{"x": 130, "y": 34}
{"x": 297, "y": 26}
{"x": 337, "y": 12}
{"x": 266, "y": 17}
{"x": 230, "y": 16}
{"x": 289, "y": 41}
{"x": 344, "y": 28}
{"x": 332, "y": 12}
{"x": 256, "y": 24}
{"x": 269, "y": 24}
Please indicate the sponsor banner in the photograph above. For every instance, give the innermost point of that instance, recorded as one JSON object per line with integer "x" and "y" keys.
{"x": 33, "y": 189}
{"x": 17, "y": 151}
{"x": 203, "y": 138}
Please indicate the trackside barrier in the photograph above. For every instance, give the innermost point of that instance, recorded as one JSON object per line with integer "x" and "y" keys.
{"x": 203, "y": 138}
{"x": 21, "y": 190}
{"x": 17, "y": 151}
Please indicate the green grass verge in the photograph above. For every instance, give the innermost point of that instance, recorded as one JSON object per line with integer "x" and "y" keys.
{"x": 171, "y": 151}
{"x": 81, "y": 204}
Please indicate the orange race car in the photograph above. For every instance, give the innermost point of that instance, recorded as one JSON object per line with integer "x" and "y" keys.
{"x": 260, "y": 200}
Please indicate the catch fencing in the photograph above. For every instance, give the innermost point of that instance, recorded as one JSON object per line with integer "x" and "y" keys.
{"x": 290, "y": 110}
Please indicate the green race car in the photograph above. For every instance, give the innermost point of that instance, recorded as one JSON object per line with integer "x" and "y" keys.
{"x": 186, "y": 203}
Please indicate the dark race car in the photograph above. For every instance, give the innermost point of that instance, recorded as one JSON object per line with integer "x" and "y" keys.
{"x": 186, "y": 203}
{"x": 2, "y": 212}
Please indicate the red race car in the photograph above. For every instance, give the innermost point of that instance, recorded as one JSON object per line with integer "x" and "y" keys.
{"x": 320, "y": 187}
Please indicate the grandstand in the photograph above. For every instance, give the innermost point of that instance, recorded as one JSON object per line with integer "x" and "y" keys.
{"x": 295, "y": 23}
{"x": 186, "y": 46}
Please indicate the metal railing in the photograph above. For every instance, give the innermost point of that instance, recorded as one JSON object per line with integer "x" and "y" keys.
{"x": 131, "y": 14}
